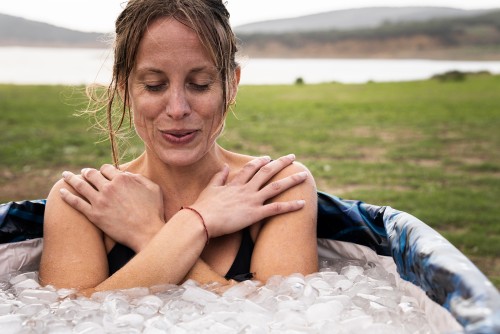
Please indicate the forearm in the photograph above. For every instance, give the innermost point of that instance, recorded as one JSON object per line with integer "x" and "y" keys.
{"x": 166, "y": 259}
{"x": 202, "y": 273}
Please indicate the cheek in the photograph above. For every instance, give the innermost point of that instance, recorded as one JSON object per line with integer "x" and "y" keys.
{"x": 212, "y": 109}
{"x": 144, "y": 112}
{"x": 143, "y": 126}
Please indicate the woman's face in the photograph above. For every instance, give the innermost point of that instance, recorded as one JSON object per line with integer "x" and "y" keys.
{"x": 175, "y": 94}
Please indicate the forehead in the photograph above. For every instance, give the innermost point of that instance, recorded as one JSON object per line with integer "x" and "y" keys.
{"x": 167, "y": 38}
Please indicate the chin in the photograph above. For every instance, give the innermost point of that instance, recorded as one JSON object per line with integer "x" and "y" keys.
{"x": 180, "y": 158}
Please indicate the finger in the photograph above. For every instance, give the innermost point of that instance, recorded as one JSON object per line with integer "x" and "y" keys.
{"x": 220, "y": 178}
{"x": 248, "y": 171}
{"x": 76, "y": 202}
{"x": 109, "y": 171}
{"x": 94, "y": 177}
{"x": 80, "y": 185}
{"x": 264, "y": 174}
{"x": 277, "y": 187}
{"x": 277, "y": 208}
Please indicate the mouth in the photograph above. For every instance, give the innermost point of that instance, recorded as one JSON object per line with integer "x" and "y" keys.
{"x": 183, "y": 136}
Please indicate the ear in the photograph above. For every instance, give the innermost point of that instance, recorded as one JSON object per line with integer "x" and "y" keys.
{"x": 237, "y": 75}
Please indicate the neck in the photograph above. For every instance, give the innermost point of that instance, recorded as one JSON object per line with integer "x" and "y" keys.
{"x": 180, "y": 185}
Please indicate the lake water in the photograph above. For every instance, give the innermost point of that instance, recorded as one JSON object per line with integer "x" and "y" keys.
{"x": 25, "y": 65}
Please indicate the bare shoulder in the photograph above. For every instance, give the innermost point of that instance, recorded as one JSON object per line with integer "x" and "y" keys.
{"x": 72, "y": 245}
{"x": 237, "y": 161}
{"x": 54, "y": 200}
{"x": 61, "y": 216}
{"x": 294, "y": 168}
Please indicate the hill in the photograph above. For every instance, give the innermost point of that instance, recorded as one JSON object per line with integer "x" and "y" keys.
{"x": 466, "y": 37}
{"x": 379, "y": 32}
{"x": 349, "y": 19}
{"x": 21, "y": 32}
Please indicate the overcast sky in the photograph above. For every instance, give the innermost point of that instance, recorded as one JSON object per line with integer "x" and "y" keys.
{"x": 99, "y": 15}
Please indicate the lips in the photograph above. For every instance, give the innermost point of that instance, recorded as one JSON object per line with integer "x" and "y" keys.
{"x": 179, "y": 137}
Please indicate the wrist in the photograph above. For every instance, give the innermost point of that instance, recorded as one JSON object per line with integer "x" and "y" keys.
{"x": 202, "y": 220}
{"x": 143, "y": 239}
{"x": 189, "y": 221}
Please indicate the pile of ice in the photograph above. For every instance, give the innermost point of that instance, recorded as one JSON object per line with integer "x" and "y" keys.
{"x": 346, "y": 297}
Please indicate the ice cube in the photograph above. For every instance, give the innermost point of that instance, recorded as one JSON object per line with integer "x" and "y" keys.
{"x": 320, "y": 285}
{"x": 11, "y": 323}
{"x": 355, "y": 324}
{"x": 88, "y": 328}
{"x": 343, "y": 285}
{"x": 240, "y": 290}
{"x": 255, "y": 319}
{"x": 262, "y": 294}
{"x": 5, "y": 308}
{"x": 25, "y": 284}
{"x": 30, "y": 309}
{"x": 130, "y": 320}
{"x": 32, "y": 296}
{"x": 157, "y": 325}
{"x": 149, "y": 305}
{"x": 31, "y": 275}
{"x": 351, "y": 271}
{"x": 285, "y": 319}
{"x": 198, "y": 295}
{"x": 250, "y": 306}
{"x": 54, "y": 326}
{"x": 294, "y": 305}
{"x": 292, "y": 285}
{"x": 115, "y": 303}
{"x": 324, "y": 311}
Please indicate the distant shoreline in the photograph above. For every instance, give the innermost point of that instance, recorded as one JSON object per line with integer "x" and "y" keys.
{"x": 325, "y": 52}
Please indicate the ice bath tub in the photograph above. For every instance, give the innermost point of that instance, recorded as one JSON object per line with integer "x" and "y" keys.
{"x": 377, "y": 263}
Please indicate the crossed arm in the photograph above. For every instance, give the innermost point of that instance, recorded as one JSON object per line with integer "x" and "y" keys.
{"x": 75, "y": 255}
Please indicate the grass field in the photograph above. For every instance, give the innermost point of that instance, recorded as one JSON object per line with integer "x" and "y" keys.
{"x": 430, "y": 148}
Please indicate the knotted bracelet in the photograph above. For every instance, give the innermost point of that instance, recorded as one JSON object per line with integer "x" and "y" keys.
{"x": 202, "y": 220}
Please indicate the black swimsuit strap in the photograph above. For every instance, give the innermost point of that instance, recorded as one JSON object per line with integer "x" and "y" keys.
{"x": 118, "y": 256}
{"x": 240, "y": 270}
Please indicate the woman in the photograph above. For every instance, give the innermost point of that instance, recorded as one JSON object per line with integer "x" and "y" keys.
{"x": 185, "y": 208}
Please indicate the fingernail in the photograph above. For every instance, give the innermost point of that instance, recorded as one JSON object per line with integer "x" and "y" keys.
{"x": 65, "y": 174}
{"x": 291, "y": 156}
{"x": 266, "y": 157}
{"x": 84, "y": 171}
{"x": 301, "y": 202}
{"x": 303, "y": 174}
{"x": 63, "y": 191}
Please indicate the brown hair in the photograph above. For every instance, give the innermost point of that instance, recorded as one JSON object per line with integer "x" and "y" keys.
{"x": 208, "y": 18}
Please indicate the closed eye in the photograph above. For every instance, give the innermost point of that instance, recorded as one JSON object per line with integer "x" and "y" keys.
{"x": 198, "y": 87}
{"x": 155, "y": 87}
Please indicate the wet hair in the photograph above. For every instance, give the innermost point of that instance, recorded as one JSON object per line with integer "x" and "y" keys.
{"x": 209, "y": 19}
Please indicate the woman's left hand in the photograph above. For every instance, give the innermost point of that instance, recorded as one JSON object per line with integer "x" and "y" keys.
{"x": 127, "y": 207}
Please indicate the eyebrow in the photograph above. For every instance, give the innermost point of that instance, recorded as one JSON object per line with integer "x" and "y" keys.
{"x": 193, "y": 70}
{"x": 149, "y": 69}
{"x": 202, "y": 68}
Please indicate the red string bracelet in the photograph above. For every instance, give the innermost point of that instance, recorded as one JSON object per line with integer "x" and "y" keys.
{"x": 202, "y": 220}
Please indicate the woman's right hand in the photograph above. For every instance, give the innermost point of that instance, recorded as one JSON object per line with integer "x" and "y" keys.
{"x": 127, "y": 207}
{"x": 227, "y": 207}
{"x": 112, "y": 198}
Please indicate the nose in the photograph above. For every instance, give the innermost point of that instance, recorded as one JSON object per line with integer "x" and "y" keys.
{"x": 177, "y": 106}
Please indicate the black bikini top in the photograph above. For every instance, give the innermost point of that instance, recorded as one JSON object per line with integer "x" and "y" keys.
{"x": 239, "y": 271}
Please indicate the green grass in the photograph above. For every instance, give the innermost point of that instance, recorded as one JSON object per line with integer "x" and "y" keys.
{"x": 430, "y": 148}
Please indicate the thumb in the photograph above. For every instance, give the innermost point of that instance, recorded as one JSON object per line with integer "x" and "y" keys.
{"x": 220, "y": 178}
